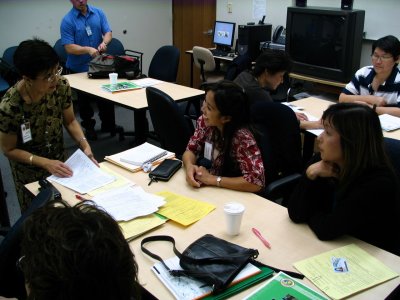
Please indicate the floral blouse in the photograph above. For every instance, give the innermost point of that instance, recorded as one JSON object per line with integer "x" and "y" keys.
{"x": 245, "y": 153}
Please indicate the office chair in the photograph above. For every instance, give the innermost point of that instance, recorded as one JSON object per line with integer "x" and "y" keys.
{"x": 392, "y": 147}
{"x": 171, "y": 127}
{"x": 164, "y": 64}
{"x": 7, "y": 68}
{"x": 62, "y": 54}
{"x": 4, "y": 86}
{"x": 204, "y": 60}
{"x": 12, "y": 283}
{"x": 280, "y": 144}
{"x": 4, "y": 216}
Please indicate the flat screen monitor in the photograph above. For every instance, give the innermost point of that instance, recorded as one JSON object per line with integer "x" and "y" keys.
{"x": 325, "y": 42}
{"x": 224, "y": 33}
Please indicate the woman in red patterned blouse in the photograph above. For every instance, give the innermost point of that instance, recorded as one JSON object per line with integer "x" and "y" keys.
{"x": 223, "y": 139}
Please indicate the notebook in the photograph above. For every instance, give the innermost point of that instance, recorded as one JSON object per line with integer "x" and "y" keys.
{"x": 142, "y": 154}
{"x": 389, "y": 122}
{"x": 121, "y": 157}
{"x": 120, "y": 87}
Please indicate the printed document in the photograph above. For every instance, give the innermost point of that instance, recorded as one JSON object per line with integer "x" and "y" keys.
{"x": 86, "y": 177}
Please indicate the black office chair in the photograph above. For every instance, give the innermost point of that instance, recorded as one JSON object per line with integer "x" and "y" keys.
{"x": 62, "y": 54}
{"x": 7, "y": 68}
{"x": 172, "y": 128}
{"x": 4, "y": 215}
{"x": 280, "y": 144}
{"x": 392, "y": 147}
{"x": 12, "y": 283}
{"x": 164, "y": 64}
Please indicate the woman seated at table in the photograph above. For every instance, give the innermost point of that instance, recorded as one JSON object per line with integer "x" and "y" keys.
{"x": 224, "y": 139}
{"x": 351, "y": 187}
{"x": 32, "y": 115}
{"x": 378, "y": 86}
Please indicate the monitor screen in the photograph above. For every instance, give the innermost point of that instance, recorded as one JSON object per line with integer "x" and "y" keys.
{"x": 224, "y": 33}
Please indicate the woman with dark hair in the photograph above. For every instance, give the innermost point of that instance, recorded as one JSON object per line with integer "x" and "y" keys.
{"x": 350, "y": 187}
{"x": 32, "y": 115}
{"x": 378, "y": 86}
{"x": 224, "y": 139}
{"x": 76, "y": 252}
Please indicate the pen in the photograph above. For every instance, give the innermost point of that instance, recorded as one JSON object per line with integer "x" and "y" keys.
{"x": 263, "y": 240}
{"x": 79, "y": 197}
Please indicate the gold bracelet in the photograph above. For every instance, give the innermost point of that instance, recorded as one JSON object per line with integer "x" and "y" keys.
{"x": 31, "y": 159}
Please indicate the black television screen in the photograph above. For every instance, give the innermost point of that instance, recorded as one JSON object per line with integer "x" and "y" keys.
{"x": 224, "y": 33}
{"x": 325, "y": 42}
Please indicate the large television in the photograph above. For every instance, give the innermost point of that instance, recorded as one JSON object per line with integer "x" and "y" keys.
{"x": 224, "y": 33}
{"x": 325, "y": 42}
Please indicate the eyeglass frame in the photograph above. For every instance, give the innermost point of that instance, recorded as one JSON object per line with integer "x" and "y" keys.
{"x": 55, "y": 75}
{"x": 376, "y": 57}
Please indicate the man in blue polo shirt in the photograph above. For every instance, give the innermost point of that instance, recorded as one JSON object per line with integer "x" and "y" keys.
{"x": 85, "y": 33}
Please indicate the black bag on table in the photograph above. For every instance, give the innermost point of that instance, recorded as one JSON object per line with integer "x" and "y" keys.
{"x": 209, "y": 259}
{"x": 125, "y": 65}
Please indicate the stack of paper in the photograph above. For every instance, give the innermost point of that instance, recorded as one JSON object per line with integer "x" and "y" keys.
{"x": 389, "y": 122}
{"x": 86, "y": 175}
{"x": 133, "y": 159}
{"x": 128, "y": 202}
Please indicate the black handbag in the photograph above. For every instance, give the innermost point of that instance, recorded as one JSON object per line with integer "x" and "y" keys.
{"x": 212, "y": 260}
{"x": 125, "y": 65}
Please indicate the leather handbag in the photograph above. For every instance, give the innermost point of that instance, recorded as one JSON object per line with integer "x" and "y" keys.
{"x": 212, "y": 260}
{"x": 102, "y": 65}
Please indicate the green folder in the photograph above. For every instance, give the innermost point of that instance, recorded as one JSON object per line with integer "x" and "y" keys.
{"x": 233, "y": 290}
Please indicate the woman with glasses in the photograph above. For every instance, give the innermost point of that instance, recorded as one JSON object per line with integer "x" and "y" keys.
{"x": 223, "y": 151}
{"x": 378, "y": 86}
{"x": 32, "y": 115}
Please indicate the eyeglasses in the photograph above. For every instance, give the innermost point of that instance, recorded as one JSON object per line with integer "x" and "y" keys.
{"x": 382, "y": 58}
{"x": 18, "y": 263}
{"x": 54, "y": 76}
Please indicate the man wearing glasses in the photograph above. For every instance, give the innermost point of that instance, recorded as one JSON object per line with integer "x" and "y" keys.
{"x": 378, "y": 86}
{"x": 32, "y": 115}
{"x": 85, "y": 33}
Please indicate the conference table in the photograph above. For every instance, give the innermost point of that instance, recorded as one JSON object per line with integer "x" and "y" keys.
{"x": 290, "y": 242}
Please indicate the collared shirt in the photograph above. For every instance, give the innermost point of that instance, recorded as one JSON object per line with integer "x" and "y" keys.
{"x": 245, "y": 152}
{"x": 361, "y": 84}
{"x": 82, "y": 30}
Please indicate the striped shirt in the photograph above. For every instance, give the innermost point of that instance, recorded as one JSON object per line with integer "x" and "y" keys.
{"x": 361, "y": 84}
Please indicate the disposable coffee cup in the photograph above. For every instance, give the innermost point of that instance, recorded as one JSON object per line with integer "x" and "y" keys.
{"x": 233, "y": 216}
{"x": 113, "y": 78}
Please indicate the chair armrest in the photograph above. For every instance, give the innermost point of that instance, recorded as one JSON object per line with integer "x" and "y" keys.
{"x": 281, "y": 188}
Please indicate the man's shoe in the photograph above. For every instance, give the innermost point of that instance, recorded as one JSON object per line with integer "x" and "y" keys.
{"x": 91, "y": 134}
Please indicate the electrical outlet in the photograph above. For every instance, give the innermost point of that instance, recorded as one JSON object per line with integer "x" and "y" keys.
{"x": 229, "y": 6}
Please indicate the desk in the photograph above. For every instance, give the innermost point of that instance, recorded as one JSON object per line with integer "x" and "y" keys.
{"x": 217, "y": 58}
{"x": 316, "y": 107}
{"x": 290, "y": 242}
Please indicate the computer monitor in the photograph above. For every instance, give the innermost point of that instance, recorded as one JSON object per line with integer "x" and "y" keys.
{"x": 224, "y": 33}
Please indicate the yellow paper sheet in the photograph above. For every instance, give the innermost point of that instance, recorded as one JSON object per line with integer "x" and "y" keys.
{"x": 183, "y": 210}
{"x": 119, "y": 182}
{"x": 365, "y": 271}
{"x": 133, "y": 228}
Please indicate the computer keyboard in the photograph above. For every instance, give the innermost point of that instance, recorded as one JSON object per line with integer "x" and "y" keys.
{"x": 219, "y": 52}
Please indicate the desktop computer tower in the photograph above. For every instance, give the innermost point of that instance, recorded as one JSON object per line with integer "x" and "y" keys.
{"x": 249, "y": 38}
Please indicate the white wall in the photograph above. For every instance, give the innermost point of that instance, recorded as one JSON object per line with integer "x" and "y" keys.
{"x": 381, "y": 17}
{"x": 148, "y": 22}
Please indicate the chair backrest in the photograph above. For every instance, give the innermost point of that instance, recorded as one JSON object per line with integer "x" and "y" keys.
{"x": 11, "y": 279}
{"x": 279, "y": 139}
{"x": 60, "y": 50}
{"x": 8, "y": 55}
{"x": 170, "y": 125}
{"x": 164, "y": 64}
{"x": 200, "y": 55}
{"x": 392, "y": 147}
{"x": 4, "y": 86}
{"x": 115, "y": 47}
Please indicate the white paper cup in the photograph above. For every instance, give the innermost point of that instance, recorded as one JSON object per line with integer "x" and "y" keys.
{"x": 233, "y": 216}
{"x": 113, "y": 78}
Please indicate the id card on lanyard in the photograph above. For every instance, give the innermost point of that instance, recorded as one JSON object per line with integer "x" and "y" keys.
{"x": 26, "y": 132}
{"x": 208, "y": 151}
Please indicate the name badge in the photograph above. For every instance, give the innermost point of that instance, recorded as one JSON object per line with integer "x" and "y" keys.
{"x": 208, "y": 149}
{"x": 26, "y": 132}
{"x": 88, "y": 30}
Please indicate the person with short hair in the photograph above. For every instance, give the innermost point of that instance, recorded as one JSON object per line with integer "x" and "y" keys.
{"x": 350, "y": 188}
{"x": 378, "y": 85}
{"x": 32, "y": 115}
{"x": 225, "y": 142}
{"x": 76, "y": 252}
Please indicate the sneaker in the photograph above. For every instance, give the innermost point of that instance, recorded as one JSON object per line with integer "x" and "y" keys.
{"x": 91, "y": 134}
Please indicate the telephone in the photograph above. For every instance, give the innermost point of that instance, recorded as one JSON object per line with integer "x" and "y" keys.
{"x": 279, "y": 36}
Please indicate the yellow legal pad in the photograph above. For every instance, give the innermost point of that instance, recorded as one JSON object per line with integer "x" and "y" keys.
{"x": 364, "y": 271}
{"x": 183, "y": 210}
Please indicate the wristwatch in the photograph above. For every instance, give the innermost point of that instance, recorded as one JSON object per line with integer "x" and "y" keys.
{"x": 219, "y": 178}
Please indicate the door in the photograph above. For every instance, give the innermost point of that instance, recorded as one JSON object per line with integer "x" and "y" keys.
{"x": 193, "y": 22}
